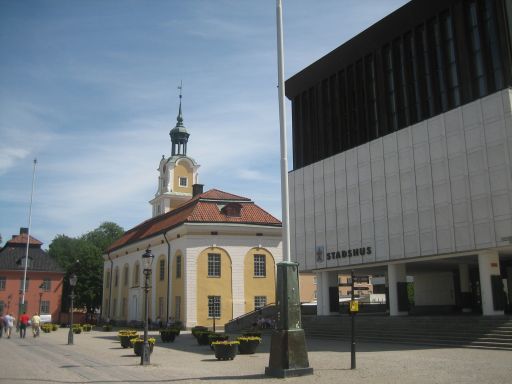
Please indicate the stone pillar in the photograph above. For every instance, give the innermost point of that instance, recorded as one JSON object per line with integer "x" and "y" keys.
{"x": 288, "y": 353}
{"x": 465, "y": 287}
{"x": 488, "y": 265}
{"x": 396, "y": 274}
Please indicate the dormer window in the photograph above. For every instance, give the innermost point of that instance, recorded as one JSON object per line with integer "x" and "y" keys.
{"x": 231, "y": 210}
{"x": 183, "y": 182}
{"x": 21, "y": 262}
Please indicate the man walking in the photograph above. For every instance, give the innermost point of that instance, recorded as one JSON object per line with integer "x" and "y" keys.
{"x": 8, "y": 324}
{"x": 36, "y": 322}
{"x": 23, "y": 324}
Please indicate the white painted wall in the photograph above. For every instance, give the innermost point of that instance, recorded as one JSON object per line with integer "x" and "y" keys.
{"x": 434, "y": 289}
{"x": 440, "y": 186}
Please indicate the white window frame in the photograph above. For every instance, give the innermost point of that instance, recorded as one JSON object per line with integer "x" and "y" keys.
{"x": 214, "y": 307}
{"x": 260, "y": 265}
{"x": 259, "y": 302}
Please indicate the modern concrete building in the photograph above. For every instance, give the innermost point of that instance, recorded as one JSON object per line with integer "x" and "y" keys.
{"x": 215, "y": 252}
{"x": 402, "y": 159}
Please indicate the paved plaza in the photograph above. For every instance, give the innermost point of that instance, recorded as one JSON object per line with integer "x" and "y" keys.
{"x": 97, "y": 357}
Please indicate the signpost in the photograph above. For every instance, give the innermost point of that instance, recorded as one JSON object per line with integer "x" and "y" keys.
{"x": 354, "y": 308}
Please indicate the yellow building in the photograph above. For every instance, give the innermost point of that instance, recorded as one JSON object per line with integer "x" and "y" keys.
{"x": 215, "y": 252}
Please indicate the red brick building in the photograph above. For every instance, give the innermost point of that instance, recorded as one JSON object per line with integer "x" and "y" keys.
{"x": 43, "y": 292}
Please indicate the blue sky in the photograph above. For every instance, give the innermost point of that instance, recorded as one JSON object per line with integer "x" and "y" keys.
{"x": 89, "y": 88}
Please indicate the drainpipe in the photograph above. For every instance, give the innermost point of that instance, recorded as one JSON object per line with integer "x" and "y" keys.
{"x": 168, "y": 276}
{"x": 110, "y": 284}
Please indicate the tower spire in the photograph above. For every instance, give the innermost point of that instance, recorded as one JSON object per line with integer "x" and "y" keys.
{"x": 180, "y": 116}
{"x": 179, "y": 134}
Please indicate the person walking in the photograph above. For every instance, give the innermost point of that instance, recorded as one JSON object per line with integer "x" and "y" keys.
{"x": 9, "y": 324}
{"x": 36, "y": 324}
{"x": 24, "y": 319}
{"x": 1, "y": 324}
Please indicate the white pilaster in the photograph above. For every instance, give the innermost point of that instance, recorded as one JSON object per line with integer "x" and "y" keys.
{"x": 396, "y": 274}
{"x": 488, "y": 265}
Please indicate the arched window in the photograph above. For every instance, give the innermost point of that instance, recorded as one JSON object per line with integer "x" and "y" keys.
{"x": 136, "y": 273}
{"x": 126, "y": 275}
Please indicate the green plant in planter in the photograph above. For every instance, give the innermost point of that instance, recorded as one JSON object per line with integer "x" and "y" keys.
{"x": 198, "y": 328}
{"x": 47, "y": 327}
{"x": 168, "y": 335}
{"x": 107, "y": 328}
{"x": 217, "y": 337}
{"x": 77, "y": 329}
{"x": 125, "y": 335}
{"x": 138, "y": 344}
{"x": 225, "y": 350}
{"x": 248, "y": 344}
{"x": 203, "y": 337}
{"x": 55, "y": 327}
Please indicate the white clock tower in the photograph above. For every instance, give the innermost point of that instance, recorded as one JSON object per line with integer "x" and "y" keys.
{"x": 177, "y": 174}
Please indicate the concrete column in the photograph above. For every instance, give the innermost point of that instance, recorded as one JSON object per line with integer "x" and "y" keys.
{"x": 465, "y": 287}
{"x": 488, "y": 265}
{"x": 332, "y": 281}
{"x": 396, "y": 273}
{"x": 322, "y": 294}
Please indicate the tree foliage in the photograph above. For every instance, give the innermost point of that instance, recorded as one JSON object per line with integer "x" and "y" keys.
{"x": 82, "y": 256}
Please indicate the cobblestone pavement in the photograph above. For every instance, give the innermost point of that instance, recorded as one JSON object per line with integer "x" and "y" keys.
{"x": 97, "y": 357}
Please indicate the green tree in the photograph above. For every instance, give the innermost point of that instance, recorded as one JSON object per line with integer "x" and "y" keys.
{"x": 82, "y": 256}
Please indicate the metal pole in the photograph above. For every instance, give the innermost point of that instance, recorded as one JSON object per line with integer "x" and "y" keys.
{"x": 353, "y": 337}
{"x": 70, "y": 333}
{"x": 28, "y": 236}
{"x": 282, "y": 125}
{"x": 145, "y": 356}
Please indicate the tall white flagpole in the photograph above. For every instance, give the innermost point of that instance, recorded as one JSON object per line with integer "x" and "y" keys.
{"x": 282, "y": 122}
{"x": 28, "y": 234}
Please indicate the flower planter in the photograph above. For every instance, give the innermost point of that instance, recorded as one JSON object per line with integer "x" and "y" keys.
{"x": 203, "y": 337}
{"x": 198, "y": 329}
{"x": 125, "y": 340}
{"x": 212, "y": 337}
{"x": 137, "y": 348}
{"x": 125, "y": 336}
{"x": 138, "y": 345}
{"x": 168, "y": 335}
{"x": 225, "y": 350}
{"x": 248, "y": 345}
{"x": 77, "y": 330}
{"x": 107, "y": 328}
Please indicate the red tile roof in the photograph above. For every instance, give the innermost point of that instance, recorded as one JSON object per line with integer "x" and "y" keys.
{"x": 22, "y": 239}
{"x": 203, "y": 208}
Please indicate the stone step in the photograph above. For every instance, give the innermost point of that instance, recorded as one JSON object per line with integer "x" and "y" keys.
{"x": 498, "y": 345}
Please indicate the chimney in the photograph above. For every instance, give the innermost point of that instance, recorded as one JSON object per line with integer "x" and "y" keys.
{"x": 23, "y": 231}
{"x": 197, "y": 189}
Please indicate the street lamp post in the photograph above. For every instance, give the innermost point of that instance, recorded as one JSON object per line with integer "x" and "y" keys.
{"x": 41, "y": 288}
{"x": 72, "y": 283}
{"x": 147, "y": 261}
